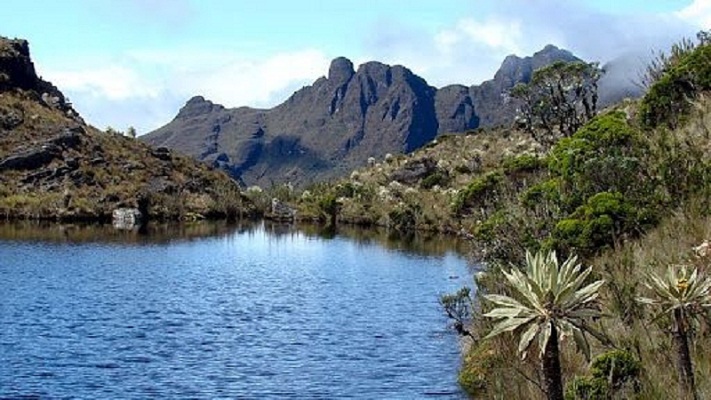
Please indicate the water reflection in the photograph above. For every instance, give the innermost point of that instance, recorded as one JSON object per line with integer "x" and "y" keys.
{"x": 157, "y": 233}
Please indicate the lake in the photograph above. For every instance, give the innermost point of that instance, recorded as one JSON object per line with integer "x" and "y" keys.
{"x": 218, "y": 311}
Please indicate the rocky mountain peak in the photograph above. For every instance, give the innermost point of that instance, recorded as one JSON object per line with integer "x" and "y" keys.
{"x": 327, "y": 129}
{"x": 198, "y": 105}
{"x": 340, "y": 71}
{"x": 16, "y": 67}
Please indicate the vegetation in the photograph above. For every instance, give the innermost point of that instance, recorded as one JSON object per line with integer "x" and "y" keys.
{"x": 551, "y": 303}
{"x": 627, "y": 194}
{"x": 559, "y": 99}
{"x": 100, "y": 171}
{"x": 684, "y": 294}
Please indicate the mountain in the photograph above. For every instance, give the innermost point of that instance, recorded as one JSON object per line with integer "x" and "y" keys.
{"x": 55, "y": 166}
{"x": 327, "y": 129}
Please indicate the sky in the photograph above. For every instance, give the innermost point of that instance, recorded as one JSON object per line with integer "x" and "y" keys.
{"x": 136, "y": 62}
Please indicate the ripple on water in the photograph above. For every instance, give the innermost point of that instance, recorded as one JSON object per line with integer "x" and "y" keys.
{"x": 246, "y": 315}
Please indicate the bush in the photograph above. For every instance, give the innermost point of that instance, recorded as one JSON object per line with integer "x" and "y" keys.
{"x": 616, "y": 367}
{"x": 610, "y": 372}
{"x": 587, "y": 388}
{"x": 523, "y": 164}
{"x": 544, "y": 192}
{"x": 599, "y": 222}
{"x": 478, "y": 192}
{"x": 437, "y": 178}
{"x": 607, "y": 154}
{"x": 667, "y": 101}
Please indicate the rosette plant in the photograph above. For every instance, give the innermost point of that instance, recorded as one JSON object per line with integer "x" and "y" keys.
{"x": 684, "y": 294}
{"x": 551, "y": 301}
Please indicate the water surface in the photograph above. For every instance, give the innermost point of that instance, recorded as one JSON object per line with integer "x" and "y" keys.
{"x": 214, "y": 311}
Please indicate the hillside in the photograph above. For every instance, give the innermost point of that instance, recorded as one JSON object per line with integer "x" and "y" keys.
{"x": 629, "y": 193}
{"x": 327, "y": 129}
{"x": 55, "y": 166}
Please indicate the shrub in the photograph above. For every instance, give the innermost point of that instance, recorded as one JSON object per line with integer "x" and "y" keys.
{"x": 522, "y": 164}
{"x": 587, "y": 388}
{"x": 667, "y": 101}
{"x": 610, "y": 372}
{"x": 599, "y": 222}
{"x": 544, "y": 192}
{"x": 479, "y": 191}
{"x": 437, "y": 178}
{"x": 616, "y": 367}
{"x": 607, "y": 154}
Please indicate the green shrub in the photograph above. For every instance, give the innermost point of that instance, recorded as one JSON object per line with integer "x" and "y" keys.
{"x": 437, "y": 178}
{"x": 523, "y": 164}
{"x": 544, "y": 192}
{"x": 616, "y": 367}
{"x": 478, "y": 191}
{"x": 587, "y": 388}
{"x": 599, "y": 222}
{"x": 667, "y": 101}
{"x": 610, "y": 372}
{"x": 607, "y": 154}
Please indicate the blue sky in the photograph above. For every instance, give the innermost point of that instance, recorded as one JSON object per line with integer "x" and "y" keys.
{"x": 135, "y": 62}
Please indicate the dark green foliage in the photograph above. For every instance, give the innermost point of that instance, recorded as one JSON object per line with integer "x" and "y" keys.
{"x": 616, "y": 367}
{"x": 587, "y": 388}
{"x": 404, "y": 218}
{"x": 346, "y": 189}
{"x": 597, "y": 224}
{"x": 523, "y": 164}
{"x": 667, "y": 101}
{"x": 479, "y": 192}
{"x": 437, "y": 178}
{"x": 605, "y": 155}
{"x": 546, "y": 192}
{"x": 610, "y": 372}
{"x": 560, "y": 98}
{"x": 329, "y": 206}
{"x": 458, "y": 307}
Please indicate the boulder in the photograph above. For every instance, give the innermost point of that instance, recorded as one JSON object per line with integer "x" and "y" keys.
{"x": 31, "y": 159}
{"x": 281, "y": 211}
{"x": 414, "y": 170}
{"x": 127, "y": 218}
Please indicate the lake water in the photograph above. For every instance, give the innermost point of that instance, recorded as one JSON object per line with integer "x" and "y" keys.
{"x": 213, "y": 311}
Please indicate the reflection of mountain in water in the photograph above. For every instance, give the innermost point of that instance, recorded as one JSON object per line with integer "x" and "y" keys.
{"x": 154, "y": 233}
{"x": 419, "y": 243}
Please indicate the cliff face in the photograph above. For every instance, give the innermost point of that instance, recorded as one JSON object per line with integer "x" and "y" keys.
{"x": 333, "y": 126}
{"x": 54, "y": 166}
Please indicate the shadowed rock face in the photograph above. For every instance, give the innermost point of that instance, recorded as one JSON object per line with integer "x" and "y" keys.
{"x": 331, "y": 127}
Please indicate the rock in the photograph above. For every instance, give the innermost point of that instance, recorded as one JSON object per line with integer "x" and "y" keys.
{"x": 31, "y": 159}
{"x": 127, "y": 218}
{"x": 281, "y": 211}
{"x": 414, "y": 171}
{"x": 68, "y": 139}
{"x": 340, "y": 72}
{"x": 162, "y": 153}
{"x": 331, "y": 127}
{"x": 10, "y": 119}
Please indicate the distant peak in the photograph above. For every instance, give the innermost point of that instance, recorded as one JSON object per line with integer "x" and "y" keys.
{"x": 549, "y": 47}
{"x": 198, "y": 105}
{"x": 341, "y": 70}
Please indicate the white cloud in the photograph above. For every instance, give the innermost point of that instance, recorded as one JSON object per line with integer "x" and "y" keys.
{"x": 110, "y": 82}
{"x": 145, "y": 88}
{"x": 697, "y": 13}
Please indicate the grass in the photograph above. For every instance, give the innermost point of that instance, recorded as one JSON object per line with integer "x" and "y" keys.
{"x": 112, "y": 171}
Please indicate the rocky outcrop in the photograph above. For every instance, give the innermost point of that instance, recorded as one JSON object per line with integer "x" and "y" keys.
{"x": 54, "y": 166}
{"x": 17, "y": 72}
{"x": 327, "y": 129}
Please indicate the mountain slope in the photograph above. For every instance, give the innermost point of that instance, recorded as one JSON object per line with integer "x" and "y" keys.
{"x": 54, "y": 166}
{"x": 333, "y": 126}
